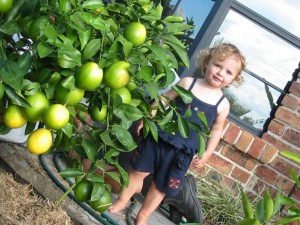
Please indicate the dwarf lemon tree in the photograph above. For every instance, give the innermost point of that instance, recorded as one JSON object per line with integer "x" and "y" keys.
{"x": 62, "y": 50}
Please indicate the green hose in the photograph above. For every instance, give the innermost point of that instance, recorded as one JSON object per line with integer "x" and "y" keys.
{"x": 103, "y": 218}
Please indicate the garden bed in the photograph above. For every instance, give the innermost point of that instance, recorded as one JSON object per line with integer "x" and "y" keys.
{"x": 21, "y": 204}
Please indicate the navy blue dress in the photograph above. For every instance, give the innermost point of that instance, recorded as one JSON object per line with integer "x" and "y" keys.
{"x": 170, "y": 157}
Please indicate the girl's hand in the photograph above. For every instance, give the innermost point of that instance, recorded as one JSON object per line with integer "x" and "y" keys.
{"x": 139, "y": 127}
{"x": 198, "y": 162}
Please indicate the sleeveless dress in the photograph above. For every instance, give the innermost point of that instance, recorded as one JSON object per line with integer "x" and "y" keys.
{"x": 191, "y": 144}
{"x": 170, "y": 157}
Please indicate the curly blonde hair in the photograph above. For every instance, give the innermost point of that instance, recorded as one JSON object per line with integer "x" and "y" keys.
{"x": 219, "y": 53}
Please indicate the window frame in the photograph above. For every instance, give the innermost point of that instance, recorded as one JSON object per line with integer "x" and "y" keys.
{"x": 210, "y": 28}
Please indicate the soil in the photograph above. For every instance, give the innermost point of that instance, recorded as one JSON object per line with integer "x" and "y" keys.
{"x": 21, "y": 204}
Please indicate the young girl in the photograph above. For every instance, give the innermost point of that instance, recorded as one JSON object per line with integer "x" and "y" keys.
{"x": 170, "y": 158}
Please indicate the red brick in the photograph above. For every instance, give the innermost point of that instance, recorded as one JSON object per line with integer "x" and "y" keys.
{"x": 284, "y": 184}
{"x": 231, "y": 133}
{"x": 244, "y": 141}
{"x": 268, "y": 154}
{"x": 266, "y": 174}
{"x": 292, "y": 136}
{"x": 276, "y": 127}
{"x": 260, "y": 186}
{"x": 240, "y": 175}
{"x": 281, "y": 164}
{"x": 239, "y": 157}
{"x": 276, "y": 142}
{"x": 295, "y": 88}
{"x": 295, "y": 193}
{"x": 257, "y": 148}
{"x": 288, "y": 116}
{"x": 290, "y": 101}
{"x": 220, "y": 164}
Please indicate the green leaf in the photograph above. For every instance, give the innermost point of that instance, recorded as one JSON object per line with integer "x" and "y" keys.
{"x": 68, "y": 130}
{"x": 177, "y": 27}
{"x": 128, "y": 112}
{"x": 10, "y": 27}
{"x": 123, "y": 173}
{"x": 203, "y": 119}
{"x": 111, "y": 156}
{"x": 202, "y": 145}
{"x": 84, "y": 38}
{"x": 96, "y": 22}
{"x": 187, "y": 96}
{"x": 30, "y": 88}
{"x": 290, "y": 155}
{"x": 44, "y": 49}
{"x": 4, "y": 129}
{"x": 109, "y": 139}
{"x": 124, "y": 137}
{"x": 97, "y": 192}
{"x": 50, "y": 32}
{"x": 294, "y": 177}
{"x": 288, "y": 219}
{"x": 173, "y": 39}
{"x": 15, "y": 97}
{"x": 183, "y": 127}
{"x": 286, "y": 201}
{"x": 90, "y": 150}
{"x": 115, "y": 176}
{"x": 167, "y": 118}
{"x": 181, "y": 53}
{"x": 71, "y": 172}
{"x": 24, "y": 62}
{"x": 152, "y": 90}
{"x": 259, "y": 211}
{"x": 152, "y": 128}
{"x": 12, "y": 75}
{"x": 92, "y": 4}
{"x": 277, "y": 201}
{"x": 29, "y": 128}
{"x": 159, "y": 52}
{"x": 91, "y": 48}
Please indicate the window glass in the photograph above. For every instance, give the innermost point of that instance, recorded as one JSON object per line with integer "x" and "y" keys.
{"x": 285, "y": 13}
{"x": 252, "y": 101}
{"x": 195, "y": 9}
{"x": 267, "y": 55}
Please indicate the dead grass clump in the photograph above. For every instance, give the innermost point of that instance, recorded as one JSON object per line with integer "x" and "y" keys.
{"x": 19, "y": 204}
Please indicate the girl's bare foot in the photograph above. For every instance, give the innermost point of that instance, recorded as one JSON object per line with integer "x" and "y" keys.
{"x": 117, "y": 206}
{"x": 141, "y": 219}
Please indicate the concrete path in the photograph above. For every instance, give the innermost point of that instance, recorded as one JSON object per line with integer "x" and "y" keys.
{"x": 29, "y": 168}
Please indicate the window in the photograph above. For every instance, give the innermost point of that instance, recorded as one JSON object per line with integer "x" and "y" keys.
{"x": 192, "y": 9}
{"x": 272, "y": 56}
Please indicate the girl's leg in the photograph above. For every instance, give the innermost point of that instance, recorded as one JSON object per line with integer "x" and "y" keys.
{"x": 135, "y": 186}
{"x": 151, "y": 202}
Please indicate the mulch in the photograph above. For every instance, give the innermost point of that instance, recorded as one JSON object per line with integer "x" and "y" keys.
{"x": 21, "y": 204}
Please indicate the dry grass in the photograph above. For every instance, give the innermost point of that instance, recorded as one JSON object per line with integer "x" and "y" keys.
{"x": 19, "y": 204}
{"x": 220, "y": 205}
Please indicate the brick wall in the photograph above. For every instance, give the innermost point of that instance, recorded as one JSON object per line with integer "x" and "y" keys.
{"x": 244, "y": 159}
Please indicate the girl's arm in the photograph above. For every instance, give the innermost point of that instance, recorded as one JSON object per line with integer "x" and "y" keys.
{"x": 216, "y": 133}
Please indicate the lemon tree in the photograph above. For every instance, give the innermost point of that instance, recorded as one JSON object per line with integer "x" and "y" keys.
{"x": 90, "y": 59}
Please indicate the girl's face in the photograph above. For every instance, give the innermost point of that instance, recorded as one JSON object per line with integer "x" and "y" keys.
{"x": 220, "y": 74}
